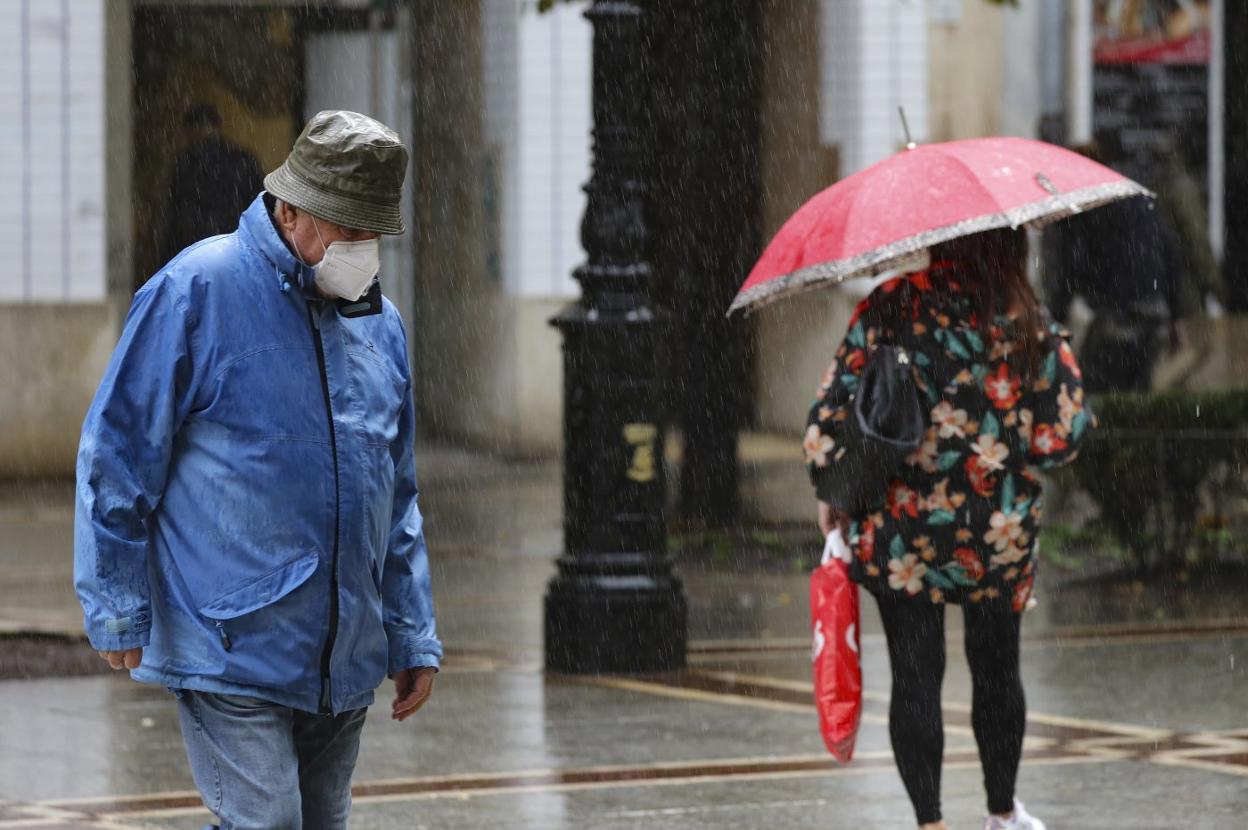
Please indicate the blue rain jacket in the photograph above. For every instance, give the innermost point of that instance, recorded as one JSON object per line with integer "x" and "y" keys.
{"x": 246, "y": 497}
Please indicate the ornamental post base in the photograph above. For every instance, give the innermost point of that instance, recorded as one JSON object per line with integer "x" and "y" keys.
{"x": 599, "y": 626}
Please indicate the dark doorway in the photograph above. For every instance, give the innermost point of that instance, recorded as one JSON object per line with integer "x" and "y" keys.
{"x": 189, "y": 65}
{"x": 246, "y": 76}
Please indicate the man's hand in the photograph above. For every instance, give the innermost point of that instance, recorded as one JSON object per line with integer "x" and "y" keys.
{"x": 118, "y": 660}
{"x": 830, "y": 519}
{"x": 412, "y": 688}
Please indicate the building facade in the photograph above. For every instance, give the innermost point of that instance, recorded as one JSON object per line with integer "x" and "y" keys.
{"x": 493, "y": 97}
{"x": 98, "y": 117}
{"x": 63, "y": 222}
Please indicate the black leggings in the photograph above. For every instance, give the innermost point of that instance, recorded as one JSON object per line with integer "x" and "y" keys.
{"x": 916, "y": 652}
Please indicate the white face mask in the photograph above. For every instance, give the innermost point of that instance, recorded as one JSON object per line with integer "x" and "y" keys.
{"x": 347, "y": 268}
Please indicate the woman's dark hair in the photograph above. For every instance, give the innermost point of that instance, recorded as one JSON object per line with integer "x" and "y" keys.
{"x": 993, "y": 268}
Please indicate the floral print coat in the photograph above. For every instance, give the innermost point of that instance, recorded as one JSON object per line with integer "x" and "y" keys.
{"x": 959, "y": 521}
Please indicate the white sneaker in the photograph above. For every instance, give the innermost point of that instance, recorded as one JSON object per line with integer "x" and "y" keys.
{"x": 1022, "y": 820}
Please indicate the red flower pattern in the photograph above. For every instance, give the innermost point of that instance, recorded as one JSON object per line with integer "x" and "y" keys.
{"x": 964, "y": 465}
{"x": 1046, "y": 441}
{"x": 1002, "y": 388}
{"x": 1067, "y": 355}
{"x": 1022, "y": 593}
{"x": 866, "y": 540}
{"x": 901, "y": 499}
{"x": 970, "y": 562}
{"x": 981, "y": 479}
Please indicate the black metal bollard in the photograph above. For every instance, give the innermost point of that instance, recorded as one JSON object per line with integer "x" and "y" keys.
{"x": 616, "y": 604}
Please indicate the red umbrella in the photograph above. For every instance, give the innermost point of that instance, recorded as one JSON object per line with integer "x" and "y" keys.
{"x": 878, "y": 218}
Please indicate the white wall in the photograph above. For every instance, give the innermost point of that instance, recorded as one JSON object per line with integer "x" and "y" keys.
{"x": 366, "y": 71}
{"x": 1023, "y": 84}
{"x": 52, "y": 222}
{"x": 1079, "y": 72}
{"x": 874, "y": 59}
{"x": 537, "y": 70}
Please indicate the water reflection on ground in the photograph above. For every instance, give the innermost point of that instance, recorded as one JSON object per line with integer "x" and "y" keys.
{"x": 1136, "y": 696}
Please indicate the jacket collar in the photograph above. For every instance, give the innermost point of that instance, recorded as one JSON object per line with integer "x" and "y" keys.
{"x": 257, "y": 230}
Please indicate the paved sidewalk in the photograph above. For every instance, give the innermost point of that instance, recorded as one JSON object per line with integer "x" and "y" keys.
{"x": 1138, "y": 711}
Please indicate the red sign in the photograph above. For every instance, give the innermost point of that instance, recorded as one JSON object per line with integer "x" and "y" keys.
{"x": 1195, "y": 49}
{"x": 1152, "y": 32}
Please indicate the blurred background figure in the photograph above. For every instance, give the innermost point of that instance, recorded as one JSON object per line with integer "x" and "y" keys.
{"x": 1126, "y": 262}
{"x": 213, "y": 181}
{"x": 1183, "y": 206}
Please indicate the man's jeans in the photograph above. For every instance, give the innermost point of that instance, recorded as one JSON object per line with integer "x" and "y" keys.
{"x": 260, "y": 766}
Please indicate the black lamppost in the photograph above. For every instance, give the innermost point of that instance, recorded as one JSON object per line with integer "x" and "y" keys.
{"x": 616, "y": 605}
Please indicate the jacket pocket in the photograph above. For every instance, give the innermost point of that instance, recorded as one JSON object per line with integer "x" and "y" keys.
{"x": 263, "y": 590}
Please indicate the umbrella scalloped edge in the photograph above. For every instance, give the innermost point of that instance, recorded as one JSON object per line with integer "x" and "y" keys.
{"x": 1034, "y": 214}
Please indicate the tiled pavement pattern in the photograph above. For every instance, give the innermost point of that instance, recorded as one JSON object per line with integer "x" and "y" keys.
{"x": 729, "y": 747}
{"x": 1138, "y": 709}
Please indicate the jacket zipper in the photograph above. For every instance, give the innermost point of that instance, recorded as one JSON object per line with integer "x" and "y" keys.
{"x": 327, "y": 653}
{"x": 225, "y": 638}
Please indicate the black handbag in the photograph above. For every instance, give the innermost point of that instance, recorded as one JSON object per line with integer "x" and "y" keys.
{"x": 886, "y": 424}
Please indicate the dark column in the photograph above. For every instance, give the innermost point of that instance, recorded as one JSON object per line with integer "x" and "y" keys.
{"x": 1235, "y": 262}
{"x": 615, "y": 606}
{"x": 707, "y": 166}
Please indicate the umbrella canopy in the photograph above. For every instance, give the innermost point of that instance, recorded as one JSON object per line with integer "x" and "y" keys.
{"x": 878, "y": 218}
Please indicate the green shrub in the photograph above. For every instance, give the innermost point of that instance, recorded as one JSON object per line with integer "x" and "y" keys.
{"x": 1167, "y": 472}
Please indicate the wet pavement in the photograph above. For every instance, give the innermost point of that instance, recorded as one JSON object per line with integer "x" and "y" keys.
{"x": 1138, "y": 709}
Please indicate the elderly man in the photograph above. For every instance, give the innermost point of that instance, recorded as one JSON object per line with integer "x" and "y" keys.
{"x": 247, "y": 532}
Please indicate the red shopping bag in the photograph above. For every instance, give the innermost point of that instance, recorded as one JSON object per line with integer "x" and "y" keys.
{"x": 835, "y": 654}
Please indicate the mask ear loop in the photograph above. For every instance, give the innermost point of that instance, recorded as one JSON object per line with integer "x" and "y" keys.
{"x": 295, "y": 250}
{"x": 299, "y": 259}
{"x": 317, "y": 228}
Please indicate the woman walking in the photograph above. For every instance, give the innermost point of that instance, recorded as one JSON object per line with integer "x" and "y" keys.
{"x": 959, "y": 521}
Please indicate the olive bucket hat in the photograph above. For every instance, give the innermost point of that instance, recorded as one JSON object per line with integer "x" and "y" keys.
{"x": 345, "y": 168}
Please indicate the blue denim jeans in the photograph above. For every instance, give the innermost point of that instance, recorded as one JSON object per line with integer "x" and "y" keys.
{"x": 261, "y": 766}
